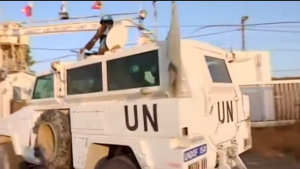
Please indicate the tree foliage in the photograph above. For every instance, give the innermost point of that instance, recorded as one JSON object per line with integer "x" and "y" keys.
{"x": 28, "y": 58}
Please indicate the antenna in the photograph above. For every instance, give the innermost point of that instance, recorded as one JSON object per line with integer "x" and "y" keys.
{"x": 155, "y": 20}
{"x": 141, "y": 18}
{"x": 140, "y": 5}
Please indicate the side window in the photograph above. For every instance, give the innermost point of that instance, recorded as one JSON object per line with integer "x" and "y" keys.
{"x": 218, "y": 70}
{"x": 85, "y": 79}
{"x": 141, "y": 70}
{"x": 44, "y": 87}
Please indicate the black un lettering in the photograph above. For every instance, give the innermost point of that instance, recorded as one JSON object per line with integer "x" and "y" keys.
{"x": 153, "y": 121}
{"x": 136, "y": 122}
{"x": 147, "y": 117}
{"x": 229, "y": 111}
{"x": 225, "y": 111}
{"x": 221, "y": 119}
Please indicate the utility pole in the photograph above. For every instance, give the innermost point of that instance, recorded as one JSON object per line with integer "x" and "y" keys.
{"x": 243, "y": 20}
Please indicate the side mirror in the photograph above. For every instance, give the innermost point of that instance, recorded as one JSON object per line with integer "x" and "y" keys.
{"x": 230, "y": 57}
{"x": 238, "y": 57}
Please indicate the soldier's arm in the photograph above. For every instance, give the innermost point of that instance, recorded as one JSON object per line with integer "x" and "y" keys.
{"x": 92, "y": 42}
{"x": 95, "y": 38}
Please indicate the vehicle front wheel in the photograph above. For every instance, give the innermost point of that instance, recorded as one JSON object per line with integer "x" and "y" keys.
{"x": 54, "y": 143}
{"x": 121, "y": 162}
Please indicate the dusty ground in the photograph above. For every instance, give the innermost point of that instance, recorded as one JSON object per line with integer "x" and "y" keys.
{"x": 274, "y": 148}
{"x": 10, "y": 160}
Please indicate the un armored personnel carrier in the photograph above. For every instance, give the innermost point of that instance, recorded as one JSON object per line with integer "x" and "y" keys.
{"x": 168, "y": 104}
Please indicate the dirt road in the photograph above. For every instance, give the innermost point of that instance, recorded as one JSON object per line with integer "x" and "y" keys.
{"x": 9, "y": 160}
{"x": 256, "y": 161}
{"x": 274, "y": 148}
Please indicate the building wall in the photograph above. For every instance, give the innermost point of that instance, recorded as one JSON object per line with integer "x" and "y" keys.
{"x": 23, "y": 81}
{"x": 5, "y": 27}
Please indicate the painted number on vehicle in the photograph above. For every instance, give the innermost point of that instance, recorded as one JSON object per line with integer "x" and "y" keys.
{"x": 195, "y": 152}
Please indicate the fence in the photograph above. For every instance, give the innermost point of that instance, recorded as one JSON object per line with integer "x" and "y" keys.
{"x": 287, "y": 101}
{"x": 277, "y": 100}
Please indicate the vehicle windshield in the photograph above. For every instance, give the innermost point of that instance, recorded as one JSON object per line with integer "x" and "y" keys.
{"x": 140, "y": 70}
{"x": 84, "y": 79}
{"x": 218, "y": 70}
{"x": 44, "y": 87}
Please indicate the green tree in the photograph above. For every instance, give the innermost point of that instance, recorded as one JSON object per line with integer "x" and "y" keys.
{"x": 28, "y": 58}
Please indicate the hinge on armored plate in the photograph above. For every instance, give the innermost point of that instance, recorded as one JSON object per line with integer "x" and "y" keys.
{"x": 211, "y": 109}
{"x": 237, "y": 124}
{"x": 236, "y": 98}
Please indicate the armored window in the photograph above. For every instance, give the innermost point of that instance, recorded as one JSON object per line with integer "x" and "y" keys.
{"x": 218, "y": 70}
{"x": 85, "y": 79}
{"x": 44, "y": 87}
{"x": 135, "y": 71}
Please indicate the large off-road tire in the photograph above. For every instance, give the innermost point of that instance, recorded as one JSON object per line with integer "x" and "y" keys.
{"x": 54, "y": 143}
{"x": 121, "y": 162}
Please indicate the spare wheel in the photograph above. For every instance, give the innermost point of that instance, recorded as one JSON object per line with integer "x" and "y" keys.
{"x": 53, "y": 144}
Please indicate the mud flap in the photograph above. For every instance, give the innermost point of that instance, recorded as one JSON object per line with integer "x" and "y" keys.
{"x": 29, "y": 156}
{"x": 223, "y": 160}
{"x": 240, "y": 164}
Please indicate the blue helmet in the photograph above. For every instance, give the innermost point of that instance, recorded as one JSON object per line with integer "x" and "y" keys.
{"x": 107, "y": 19}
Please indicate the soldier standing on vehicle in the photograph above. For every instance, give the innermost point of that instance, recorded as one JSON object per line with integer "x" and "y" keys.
{"x": 107, "y": 23}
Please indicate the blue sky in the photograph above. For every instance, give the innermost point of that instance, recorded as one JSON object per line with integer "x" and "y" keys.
{"x": 280, "y": 45}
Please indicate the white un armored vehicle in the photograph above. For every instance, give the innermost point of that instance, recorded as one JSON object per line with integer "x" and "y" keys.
{"x": 169, "y": 104}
